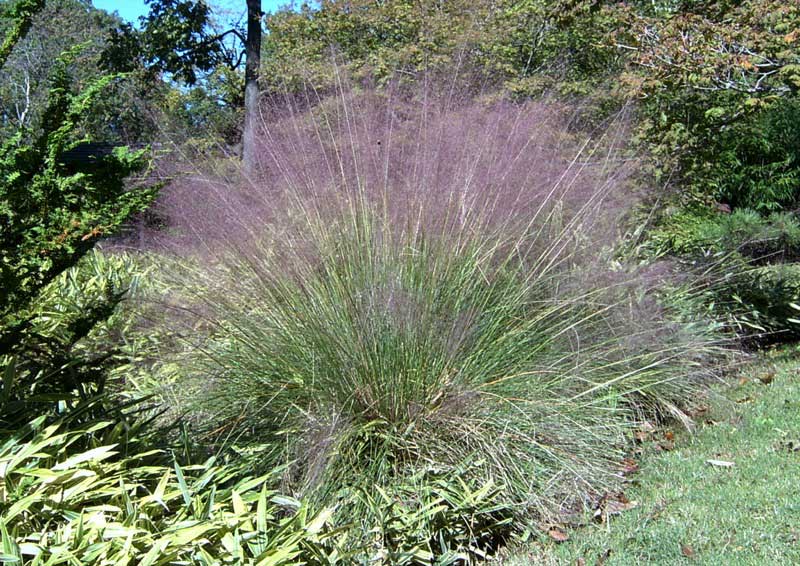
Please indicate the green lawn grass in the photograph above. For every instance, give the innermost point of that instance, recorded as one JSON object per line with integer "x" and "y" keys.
{"x": 692, "y": 512}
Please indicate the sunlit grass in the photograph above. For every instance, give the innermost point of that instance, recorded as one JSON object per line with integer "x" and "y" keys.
{"x": 691, "y": 512}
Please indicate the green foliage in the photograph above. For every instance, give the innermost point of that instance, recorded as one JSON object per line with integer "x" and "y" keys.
{"x": 435, "y": 519}
{"x": 772, "y": 238}
{"x": 756, "y": 164}
{"x": 386, "y": 351}
{"x": 74, "y": 337}
{"x": 100, "y": 494}
{"x": 211, "y": 110}
{"x": 22, "y": 16}
{"x": 185, "y": 70}
{"x": 738, "y": 259}
{"x": 762, "y": 302}
{"x": 120, "y": 502}
{"x": 120, "y": 115}
{"x": 376, "y": 38}
{"x": 702, "y": 231}
{"x": 173, "y": 38}
{"x": 681, "y": 232}
{"x": 527, "y": 46}
{"x": 52, "y": 215}
{"x": 722, "y": 114}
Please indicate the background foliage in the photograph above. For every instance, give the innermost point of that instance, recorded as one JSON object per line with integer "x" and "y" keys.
{"x": 476, "y": 373}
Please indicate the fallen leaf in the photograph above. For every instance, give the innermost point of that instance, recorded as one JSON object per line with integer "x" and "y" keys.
{"x": 767, "y": 378}
{"x": 669, "y": 435}
{"x": 720, "y": 463}
{"x": 629, "y": 466}
{"x": 687, "y": 551}
{"x": 613, "y": 505}
{"x": 558, "y": 535}
{"x": 580, "y": 561}
{"x": 641, "y": 436}
{"x": 647, "y": 427}
{"x": 668, "y": 446}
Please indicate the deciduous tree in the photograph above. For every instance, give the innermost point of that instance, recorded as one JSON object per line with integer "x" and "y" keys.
{"x": 177, "y": 40}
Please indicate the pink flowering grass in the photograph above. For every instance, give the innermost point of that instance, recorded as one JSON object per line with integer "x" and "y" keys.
{"x": 411, "y": 282}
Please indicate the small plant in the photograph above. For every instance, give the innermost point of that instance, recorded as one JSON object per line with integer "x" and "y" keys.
{"x": 435, "y": 518}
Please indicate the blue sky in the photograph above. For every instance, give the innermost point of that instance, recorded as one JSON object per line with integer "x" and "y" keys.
{"x": 132, "y": 9}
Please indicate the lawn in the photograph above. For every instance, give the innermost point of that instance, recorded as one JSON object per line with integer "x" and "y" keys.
{"x": 690, "y": 511}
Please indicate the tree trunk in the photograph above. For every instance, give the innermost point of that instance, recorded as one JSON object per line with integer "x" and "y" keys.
{"x": 252, "y": 66}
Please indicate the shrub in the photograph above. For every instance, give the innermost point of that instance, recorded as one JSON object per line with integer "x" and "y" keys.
{"x": 53, "y": 214}
{"x": 694, "y": 232}
{"x": 118, "y": 501}
{"x": 79, "y": 340}
{"x": 737, "y": 260}
{"x": 415, "y": 284}
{"x": 760, "y": 303}
{"x": 435, "y": 517}
{"x": 756, "y": 164}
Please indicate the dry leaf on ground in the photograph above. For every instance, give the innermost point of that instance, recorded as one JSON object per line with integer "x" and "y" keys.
{"x": 767, "y": 378}
{"x": 629, "y": 466}
{"x": 613, "y": 505}
{"x": 558, "y": 535}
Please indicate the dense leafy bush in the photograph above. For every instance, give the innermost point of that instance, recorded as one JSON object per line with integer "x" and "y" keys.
{"x": 743, "y": 262}
{"x": 527, "y": 46}
{"x": 720, "y": 111}
{"x": 74, "y": 340}
{"x": 53, "y": 213}
{"x": 119, "y": 501}
{"x": 435, "y": 518}
{"x": 701, "y": 231}
{"x": 756, "y": 164}
{"x": 761, "y": 303}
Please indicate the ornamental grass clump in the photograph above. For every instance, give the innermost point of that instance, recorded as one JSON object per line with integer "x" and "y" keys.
{"x": 413, "y": 285}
